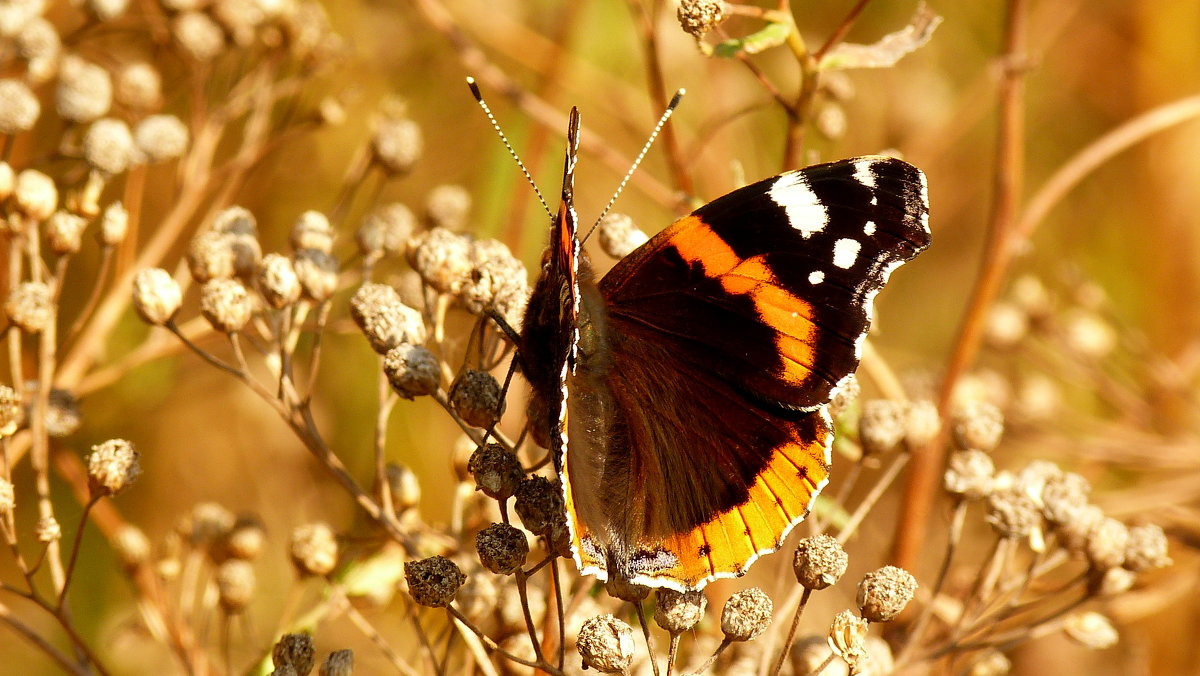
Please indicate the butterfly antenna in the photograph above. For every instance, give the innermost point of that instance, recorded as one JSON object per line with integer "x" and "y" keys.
{"x": 662, "y": 121}
{"x": 496, "y": 125}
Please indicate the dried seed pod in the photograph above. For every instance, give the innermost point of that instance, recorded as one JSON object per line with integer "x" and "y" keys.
{"x": 112, "y": 467}
{"x": 35, "y": 194}
{"x": 434, "y": 581}
{"x": 819, "y": 562}
{"x": 314, "y": 549}
{"x": 412, "y": 370}
{"x": 19, "y": 107}
{"x": 539, "y": 502}
{"x": 677, "y": 612}
{"x": 385, "y": 231}
{"x": 235, "y": 584}
{"x": 502, "y": 548}
{"x": 746, "y": 614}
{"x": 883, "y": 594}
{"x": 30, "y": 307}
{"x": 447, "y": 206}
{"x": 84, "y": 91}
{"x": 475, "y": 396}
{"x": 226, "y": 305}
{"x": 606, "y": 644}
{"x": 312, "y": 230}
{"x": 277, "y": 281}
{"x": 295, "y": 651}
{"x": 161, "y": 137}
{"x": 698, "y": 17}
{"x": 108, "y": 146}
{"x": 156, "y": 296}
{"x": 881, "y": 426}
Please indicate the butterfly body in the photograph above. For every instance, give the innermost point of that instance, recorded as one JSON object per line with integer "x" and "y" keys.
{"x": 683, "y": 395}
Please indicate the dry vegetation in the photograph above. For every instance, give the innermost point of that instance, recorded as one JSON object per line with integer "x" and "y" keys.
{"x": 250, "y": 388}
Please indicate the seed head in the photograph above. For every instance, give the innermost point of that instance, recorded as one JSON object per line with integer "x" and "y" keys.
{"x": 64, "y": 232}
{"x": 1110, "y": 582}
{"x": 746, "y": 615}
{"x": 1106, "y": 544}
{"x": 539, "y": 503}
{"x": 475, "y": 396}
{"x": 502, "y": 548}
{"x": 497, "y": 471}
{"x": 606, "y": 644}
{"x": 1074, "y": 533}
{"x": 106, "y": 10}
{"x": 845, "y": 396}
{"x": 108, "y": 146}
{"x": 412, "y": 370}
{"x": 698, "y": 17}
{"x": 39, "y": 44}
{"x": 678, "y": 612}
{"x": 63, "y": 416}
{"x": 619, "y": 235}
{"x": 338, "y": 663}
{"x": 156, "y": 296}
{"x": 809, "y": 653}
{"x": 295, "y": 651}
{"x": 1007, "y": 324}
{"x": 1087, "y": 334}
{"x": 161, "y": 137}
{"x": 314, "y": 549}
{"x": 226, "y": 305}
{"x": 277, "y": 281}
{"x": 978, "y": 424}
{"x": 112, "y": 466}
{"x": 447, "y": 206}
{"x": 397, "y": 144}
{"x": 848, "y": 637}
{"x": 385, "y": 231}
{"x": 235, "y": 584}
{"x": 197, "y": 35}
{"x": 246, "y": 539}
{"x": 318, "y": 274}
{"x": 12, "y": 411}
{"x": 819, "y": 562}
{"x": 1091, "y": 630}
{"x": 114, "y": 223}
{"x": 1013, "y": 514}
{"x": 1064, "y": 497}
{"x": 131, "y": 546}
{"x": 312, "y": 231}
{"x": 1146, "y": 549}
{"x": 208, "y": 523}
{"x": 35, "y": 194}
{"x": 921, "y": 424}
{"x": 442, "y": 258}
{"x": 384, "y": 319}
{"x": 47, "y": 530}
{"x": 882, "y": 425}
{"x": 434, "y": 581}
{"x": 883, "y": 594}
{"x": 30, "y": 307}
{"x": 241, "y": 18}
{"x": 992, "y": 663}
{"x": 19, "y": 107}
{"x": 139, "y": 86}
{"x": 84, "y": 92}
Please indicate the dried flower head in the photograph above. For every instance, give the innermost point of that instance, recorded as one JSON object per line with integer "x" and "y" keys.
{"x": 338, "y": 663}
{"x": 114, "y": 223}
{"x": 47, "y": 530}
{"x": 883, "y": 593}
{"x": 246, "y": 539}
{"x": 1146, "y": 548}
{"x": 63, "y": 416}
{"x": 606, "y": 644}
{"x": 318, "y": 274}
{"x": 277, "y": 281}
{"x": 235, "y": 584}
{"x": 112, "y": 467}
{"x": 1088, "y": 335}
{"x": 19, "y": 107}
{"x": 1091, "y": 630}
{"x": 198, "y": 35}
{"x": 226, "y": 305}
{"x": 139, "y": 86}
{"x": 1007, "y": 324}
{"x": 64, "y": 232}
{"x": 241, "y": 18}
{"x": 1074, "y": 533}
{"x": 1013, "y": 514}
{"x": 314, "y": 549}
{"x": 619, "y": 235}
{"x": 208, "y": 523}
{"x": 845, "y": 396}
{"x": 447, "y": 206}
{"x": 161, "y": 137}
{"x": 496, "y": 275}
{"x": 39, "y": 43}
{"x": 156, "y": 296}
{"x": 977, "y": 424}
{"x": 698, "y": 17}
{"x": 12, "y": 411}
{"x": 1064, "y": 497}
{"x": 312, "y": 231}
{"x": 677, "y": 612}
{"x": 1106, "y": 544}
{"x": 385, "y": 231}
{"x": 539, "y": 503}
{"x": 35, "y": 194}
{"x": 848, "y": 637}
{"x": 131, "y": 546}
{"x": 497, "y": 471}
{"x": 397, "y": 144}
{"x": 992, "y": 663}
{"x": 412, "y": 370}
{"x": 8, "y": 499}
{"x": 84, "y": 92}
{"x": 502, "y": 548}
{"x": 882, "y": 425}
{"x": 30, "y": 307}
{"x": 475, "y": 396}
{"x": 211, "y": 256}
{"x": 921, "y": 424}
{"x": 810, "y": 653}
{"x": 819, "y": 562}
{"x": 442, "y": 258}
{"x": 434, "y": 581}
{"x": 295, "y": 651}
{"x": 108, "y": 146}
{"x": 746, "y": 614}
{"x": 384, "y": 319}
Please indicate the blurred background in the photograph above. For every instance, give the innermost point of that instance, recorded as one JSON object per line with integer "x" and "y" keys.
{"x": 1123, "y": 242}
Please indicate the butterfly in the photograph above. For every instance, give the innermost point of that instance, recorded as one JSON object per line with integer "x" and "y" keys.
{"x": 684, "y": 394}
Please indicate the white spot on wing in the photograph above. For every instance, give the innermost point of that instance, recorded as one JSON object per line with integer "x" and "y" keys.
{"x": 869, "y": 228}
{"x": 804, "y": 211}
{"x": 845, "y": 252}
{"x": 864, "y": 175}
{"x": 816, "y": 277}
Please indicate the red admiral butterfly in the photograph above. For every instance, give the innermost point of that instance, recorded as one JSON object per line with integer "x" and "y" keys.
{"x": 684, "y": 394}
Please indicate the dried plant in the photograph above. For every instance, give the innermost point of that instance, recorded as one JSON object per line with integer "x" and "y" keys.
{"x": 130, "y": 135}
